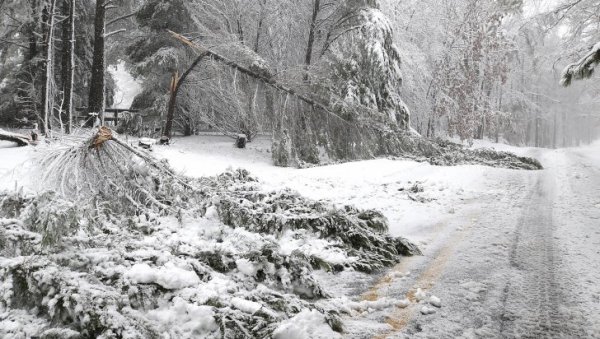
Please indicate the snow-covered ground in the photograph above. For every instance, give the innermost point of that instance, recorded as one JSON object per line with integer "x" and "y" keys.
{"x": 386, "y": 185}
{"x": 126, "y": 86}
{"x": 506, "y": 253}
{"x": 509, "y": 253}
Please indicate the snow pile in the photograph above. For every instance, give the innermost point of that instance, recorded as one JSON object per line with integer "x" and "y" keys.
{"x": 305, "y": 325}
{"x": 170, "y": 277}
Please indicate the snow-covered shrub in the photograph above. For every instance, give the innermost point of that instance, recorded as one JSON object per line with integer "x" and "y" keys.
{"x": 52, "y": 217}
{"x": 11, "y": 204}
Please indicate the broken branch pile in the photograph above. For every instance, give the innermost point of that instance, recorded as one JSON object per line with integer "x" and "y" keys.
{"x": 119, "y": 245}
{"x": 386, "y": 141}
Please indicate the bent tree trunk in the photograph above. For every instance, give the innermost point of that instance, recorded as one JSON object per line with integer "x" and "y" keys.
{"x": 176, "y": 83}
{"x": 266, "y": 79}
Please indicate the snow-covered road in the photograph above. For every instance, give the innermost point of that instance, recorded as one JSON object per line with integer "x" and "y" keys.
{"x": 522, "y": 263}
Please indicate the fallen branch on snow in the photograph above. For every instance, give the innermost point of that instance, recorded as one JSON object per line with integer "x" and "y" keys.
{"x": 20, "y": 139}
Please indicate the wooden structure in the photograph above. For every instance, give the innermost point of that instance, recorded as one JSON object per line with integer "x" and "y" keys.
{"x": 114, "y": 118}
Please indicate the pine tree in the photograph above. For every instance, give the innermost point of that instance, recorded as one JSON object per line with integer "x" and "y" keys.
{"x": 365, "y": 62}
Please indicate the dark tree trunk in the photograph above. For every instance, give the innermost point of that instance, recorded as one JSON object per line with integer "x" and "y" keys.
{"x": 429, "y": 128}
{"x": 171, "y": 109}
{"x": 47, "y": 98}
{"x": 31, "y": 30}
{"x": 68, "y": 62}
{"x": 176, "y": 83}
{"x": 311, "y": 35}
{"x": 259, "y": 26}
{"x": 188, "y": 128}
{"x": 27, "y": 78}
{"x": 96, "y": 98}
{"x": 43, "y": 118}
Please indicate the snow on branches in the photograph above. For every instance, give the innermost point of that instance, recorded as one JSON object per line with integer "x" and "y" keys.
{"x": 582, "y": 69}
{"x": 118, "y": 245}
{"x": 366, "y": 63}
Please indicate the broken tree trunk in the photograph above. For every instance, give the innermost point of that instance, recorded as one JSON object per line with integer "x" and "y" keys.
{"x": 176, "y": 83}
{"x": 266, "y": 79}
{"x": 19, "y": 139}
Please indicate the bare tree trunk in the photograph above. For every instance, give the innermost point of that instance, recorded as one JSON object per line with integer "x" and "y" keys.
{"x": 68, "y": 64}
{"x": 171, "y": 109}
{"x": 311, "y": 35}
{"x": 49, "y": 77}
{"x": 32, "y": 52}
{"x": 96, "y": 97}
{"x": 259, "y": 26}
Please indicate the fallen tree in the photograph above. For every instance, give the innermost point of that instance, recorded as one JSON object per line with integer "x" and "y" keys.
{"x": 345, "y": 132}
{"x": 256, "y": 71}
{"x": 19, "y": 139}
{"x": 116, "y": 229}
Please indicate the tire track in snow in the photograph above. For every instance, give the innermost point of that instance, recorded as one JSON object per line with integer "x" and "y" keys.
{"x": 534, "y": 294}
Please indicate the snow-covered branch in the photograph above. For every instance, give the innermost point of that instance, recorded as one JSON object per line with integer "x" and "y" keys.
{"x": 582, "y": 69}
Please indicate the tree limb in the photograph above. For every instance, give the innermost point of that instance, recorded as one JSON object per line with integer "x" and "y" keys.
{"x": 19, "y": 139}
{"x": 266, "y": 80}
{"x": 582, "y": 69}
{"x": 123, "y": 17}
{"x": 114, "y": 32}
